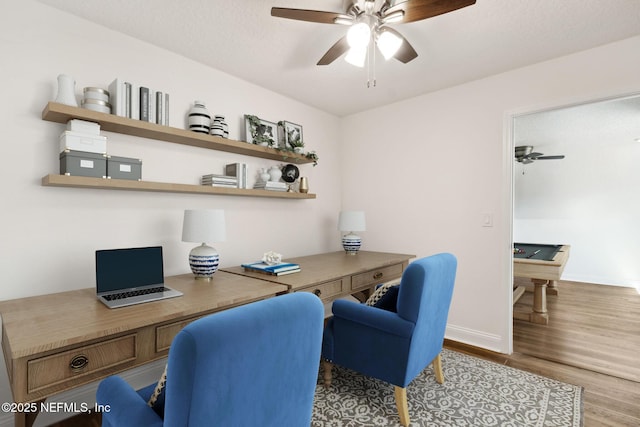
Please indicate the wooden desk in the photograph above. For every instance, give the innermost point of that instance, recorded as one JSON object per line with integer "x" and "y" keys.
{"x": 336, "y": 274}
{"x": 56, "y": 342}
{"x": 544, "y": 273}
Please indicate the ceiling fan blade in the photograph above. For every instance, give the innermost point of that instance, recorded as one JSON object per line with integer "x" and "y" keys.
{"x": 550, "y": 158}
{"x": 306, "y": 15}
{"x": 406, "y": 52}
{"x": 334, "y": 52}
{"x": 417, "y": 10}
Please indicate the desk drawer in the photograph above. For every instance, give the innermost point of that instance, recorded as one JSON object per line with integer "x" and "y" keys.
{"x": 58, "y": 368}
{"x": 327, "y": 291}
{"x": 166, "y": 333}
{"x": 374, "y": 277}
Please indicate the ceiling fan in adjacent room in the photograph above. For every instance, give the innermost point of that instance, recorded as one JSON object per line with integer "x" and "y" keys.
{"x": 525, "y": 155}
{"x": 369, "y": 21}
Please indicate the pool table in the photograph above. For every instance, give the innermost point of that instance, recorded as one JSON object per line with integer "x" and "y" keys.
{"x": 543, "y": 264}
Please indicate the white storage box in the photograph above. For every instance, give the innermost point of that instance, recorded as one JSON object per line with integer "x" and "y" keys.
{"x": 83, "y": 126}
{"x": 77, "y": 141}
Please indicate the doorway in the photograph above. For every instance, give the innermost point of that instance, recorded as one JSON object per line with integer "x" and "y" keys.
{"x": 588, "y": 199}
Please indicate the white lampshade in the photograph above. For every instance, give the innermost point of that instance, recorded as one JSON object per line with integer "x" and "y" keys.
{"x": 357, "y": 56}
{"x": 203, "y": 226}
{"x": 388, "y": 43}
{"x": 351, "y": 221}
{"x": 359, "y": 35}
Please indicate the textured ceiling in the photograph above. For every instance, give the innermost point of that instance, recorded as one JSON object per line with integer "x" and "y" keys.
{"x": 241, "y": 38}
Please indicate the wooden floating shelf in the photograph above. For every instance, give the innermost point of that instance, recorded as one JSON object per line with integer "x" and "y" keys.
{"x": 61, "y": 113}
{"x": 54, "y": 180}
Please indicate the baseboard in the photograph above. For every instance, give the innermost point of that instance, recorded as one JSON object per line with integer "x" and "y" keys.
{"x": 598, "y": 280}
{"x": 85, "y": 396}
{"x": 476, "y": 338}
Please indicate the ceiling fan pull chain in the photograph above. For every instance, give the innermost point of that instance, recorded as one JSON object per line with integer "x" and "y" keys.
{"x": 373, "y": 53}
{"x": 371, "y": 75}
{"x": 368, "y": 67}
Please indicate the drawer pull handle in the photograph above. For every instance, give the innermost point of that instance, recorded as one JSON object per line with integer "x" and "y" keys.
{"x": 78, "y": 363}
{"x": 317, "y": 293}
{"x": 378, "y": 275}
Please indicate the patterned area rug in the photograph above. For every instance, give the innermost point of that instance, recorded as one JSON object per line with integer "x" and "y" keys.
{"x": 476, "y": 392}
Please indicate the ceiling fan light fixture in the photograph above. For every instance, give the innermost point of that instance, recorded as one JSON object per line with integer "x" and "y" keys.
{"x": 388, "y": 44}
{"x": 343, "y": 20}
{"x": 393, "y": 17}
{"x": 359, "y": 35}
{"x": 357, "y": 56}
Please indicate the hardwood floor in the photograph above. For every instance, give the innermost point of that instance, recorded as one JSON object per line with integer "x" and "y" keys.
{"x": 592, "y": 340}
{"x": 590, "y": 326}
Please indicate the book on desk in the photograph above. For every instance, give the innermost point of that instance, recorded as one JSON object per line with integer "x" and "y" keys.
{"x": 279, "y": 269}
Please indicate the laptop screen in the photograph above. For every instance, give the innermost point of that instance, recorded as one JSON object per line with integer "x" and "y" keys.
{"x": 118, "y": 269}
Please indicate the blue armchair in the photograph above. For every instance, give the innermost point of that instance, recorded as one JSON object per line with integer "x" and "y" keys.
{"x": 252, "y": 365}
{"x": 395, "y": 345}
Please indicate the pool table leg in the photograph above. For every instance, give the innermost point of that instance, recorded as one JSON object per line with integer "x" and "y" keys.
{"x": 539, "y": 314}
{"x": 552, "y": 287}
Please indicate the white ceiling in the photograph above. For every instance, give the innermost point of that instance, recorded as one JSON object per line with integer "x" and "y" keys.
{"x": 241, "y": 38}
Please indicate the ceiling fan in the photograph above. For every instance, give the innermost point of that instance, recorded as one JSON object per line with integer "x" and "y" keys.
{"x": 525, "y": 155}
{"x": 368, "y": 20}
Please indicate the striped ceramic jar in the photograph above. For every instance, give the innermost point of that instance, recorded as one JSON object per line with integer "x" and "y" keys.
{"x": 219, "y": 127}
{"x": 199, "y": 118}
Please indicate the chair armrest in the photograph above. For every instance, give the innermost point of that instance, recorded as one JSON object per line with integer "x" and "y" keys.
{"x": 126, "y": 406}
{"x": 373, "y": 317}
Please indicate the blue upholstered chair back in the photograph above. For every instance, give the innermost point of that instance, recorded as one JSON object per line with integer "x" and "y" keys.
{"x": 253, "y": 365}
{"x": 424, "y": 298}
{"x": 395, "y": 346}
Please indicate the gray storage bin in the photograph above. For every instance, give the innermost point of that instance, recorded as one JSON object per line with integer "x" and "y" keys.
{"x": 82, "y": 163}
{"x": 124, "y": 168}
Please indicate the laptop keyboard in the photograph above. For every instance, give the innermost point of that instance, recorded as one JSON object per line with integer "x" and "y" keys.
{"x": 128, "y": 294}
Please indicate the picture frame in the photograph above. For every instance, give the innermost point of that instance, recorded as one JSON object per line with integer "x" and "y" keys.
{"x": 290, "y": 136}
{"x": 260, "y": 132}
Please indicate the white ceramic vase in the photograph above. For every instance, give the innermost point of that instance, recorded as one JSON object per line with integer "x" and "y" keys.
{"x": 66, "y": 90}
{"x": 275, "y": 174}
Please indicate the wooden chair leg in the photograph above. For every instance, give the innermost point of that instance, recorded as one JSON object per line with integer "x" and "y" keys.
{"x": 401, "y": 403}
{"x": 326, "y": 368}
{"x": 437, "y": 369}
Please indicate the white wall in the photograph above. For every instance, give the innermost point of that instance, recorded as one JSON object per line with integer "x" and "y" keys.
{"x": 428, "y": 169}
{"x": 49, "y": 234}
{"x": 589, "y": 199}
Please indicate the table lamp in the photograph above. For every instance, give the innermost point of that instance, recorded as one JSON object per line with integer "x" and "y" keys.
{"x": 351, "y": 221}
{"x": 204, "y": 226}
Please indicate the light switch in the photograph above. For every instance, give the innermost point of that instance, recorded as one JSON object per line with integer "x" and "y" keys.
{"x": 487, "y": 220}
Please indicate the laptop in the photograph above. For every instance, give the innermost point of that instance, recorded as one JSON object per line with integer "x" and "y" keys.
{"x": 131, "y": 276}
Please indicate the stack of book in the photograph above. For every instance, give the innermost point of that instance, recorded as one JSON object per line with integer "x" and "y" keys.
{"x": 215, "y": 180}
{"x": 271, "y": 185}
{"x": 279, "y": 269}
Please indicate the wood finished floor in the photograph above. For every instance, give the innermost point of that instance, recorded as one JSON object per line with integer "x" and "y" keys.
{"x": 592, "y": 340}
